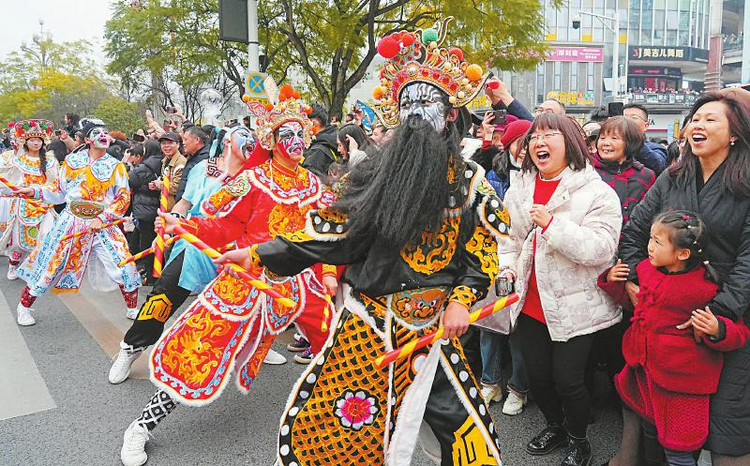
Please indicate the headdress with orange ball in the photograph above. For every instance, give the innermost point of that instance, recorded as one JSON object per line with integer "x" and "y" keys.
{"x": 417, "y": 57}
{"x": 283, "y": 106}
{"x": 35, "y": 128}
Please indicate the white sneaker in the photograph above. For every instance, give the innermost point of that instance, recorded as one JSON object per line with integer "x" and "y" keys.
{"x": 24, "y": 316}
{"x": 12, "y": 275}
{"x": 120, "y": 370}
{"x": 514, "y": 403}
{"x": 133, "y": 452}
{"x": 273, "y": 358}
{"x": 132, "y": 313}
{"x": 491, "y": 393}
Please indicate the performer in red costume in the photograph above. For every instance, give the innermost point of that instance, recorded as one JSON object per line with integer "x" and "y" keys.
{"x": 231, "y": 326}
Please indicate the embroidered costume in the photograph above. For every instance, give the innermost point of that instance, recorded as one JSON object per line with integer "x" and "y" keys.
{"x": 344, "y": 409}
{"x": 231, "y": 326}
{"x": 92, "y": 189}
{"x": 26, "y": 221}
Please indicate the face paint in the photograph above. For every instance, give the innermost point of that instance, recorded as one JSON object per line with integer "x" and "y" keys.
{"x": 243, "y": 142}
{"x": 291, "y": 142}
{"x": 99, "y": 137}
{"x": 426, "y": 101}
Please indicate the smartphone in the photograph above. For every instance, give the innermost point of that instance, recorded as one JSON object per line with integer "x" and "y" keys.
{"x": 615, "y": 108}
{"x": 500, "y": 117}
{"x": 58, "y": 132}
{"x": 504, "y": 287}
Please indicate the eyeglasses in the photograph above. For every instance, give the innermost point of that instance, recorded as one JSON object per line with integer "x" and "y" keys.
{"x": 546, "y": 137}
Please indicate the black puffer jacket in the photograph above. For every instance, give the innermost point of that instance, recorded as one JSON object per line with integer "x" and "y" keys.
{"x": 727, "y": 218}
{"x": 145, "y": 202}
{"x": 322, "y": 152}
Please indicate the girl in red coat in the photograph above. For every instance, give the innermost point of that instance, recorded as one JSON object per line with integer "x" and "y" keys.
{"x": 672, "y": 369}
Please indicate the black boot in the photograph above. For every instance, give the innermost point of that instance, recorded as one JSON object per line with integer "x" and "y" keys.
{"x": 579, "y": 453}
{"x": 547, "y": 440}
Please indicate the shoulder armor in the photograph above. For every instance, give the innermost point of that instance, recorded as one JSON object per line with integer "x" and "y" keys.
{"x": 326, "y": 224}
{"x": 239, "y": 186}
{"x": 494, "y": 216}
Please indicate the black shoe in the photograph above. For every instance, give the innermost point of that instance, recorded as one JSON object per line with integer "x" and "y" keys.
{"x": 579, "y": 453}
{"x": 547, "y": 440}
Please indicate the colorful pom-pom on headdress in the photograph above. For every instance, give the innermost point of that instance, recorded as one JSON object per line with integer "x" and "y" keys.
{"x": 27, "y": 129}
{"x": 283, "y": 106}
{"x": 417, "y": 57}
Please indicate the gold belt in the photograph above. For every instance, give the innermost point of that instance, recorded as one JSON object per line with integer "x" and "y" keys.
{"x": 86, "y": 209}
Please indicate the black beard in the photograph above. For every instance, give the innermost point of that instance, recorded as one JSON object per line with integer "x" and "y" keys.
{"x": 394, "y": 197}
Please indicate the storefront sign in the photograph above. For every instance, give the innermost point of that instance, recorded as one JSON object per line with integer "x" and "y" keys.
{"x": 572, "y": 98}
{"x": 660, "y": 71}
{"x": 577, "y": 54}
{"x": 668, "y": 53}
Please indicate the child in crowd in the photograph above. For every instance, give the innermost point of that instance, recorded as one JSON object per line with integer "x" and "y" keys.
{"x": 672, "y": 369}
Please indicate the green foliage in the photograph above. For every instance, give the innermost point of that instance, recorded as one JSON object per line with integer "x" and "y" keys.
{"x": 122, "y": 115}
{"x": 46, "y": 79}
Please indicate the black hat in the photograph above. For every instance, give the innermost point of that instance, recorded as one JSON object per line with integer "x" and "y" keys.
{"x": 88, "y": 124}
{"x": 170, "y": 136}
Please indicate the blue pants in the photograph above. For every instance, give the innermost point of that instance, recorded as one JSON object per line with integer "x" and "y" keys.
{"x": 491, "y": 345}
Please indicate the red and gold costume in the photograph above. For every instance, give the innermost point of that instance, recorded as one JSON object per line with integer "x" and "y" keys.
{"x": 231, "y": 325}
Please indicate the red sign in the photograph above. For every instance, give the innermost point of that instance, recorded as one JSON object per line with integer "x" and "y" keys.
{"x": 579, "y": 54}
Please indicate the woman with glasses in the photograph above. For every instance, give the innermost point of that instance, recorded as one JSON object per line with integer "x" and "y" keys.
{"x": 565, "y": 225}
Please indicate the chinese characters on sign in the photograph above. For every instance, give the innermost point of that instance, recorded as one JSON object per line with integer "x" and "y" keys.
{"x": 668, "y": 53}
{"x": 577, "y": 54}
{"x": 572, "y": 98}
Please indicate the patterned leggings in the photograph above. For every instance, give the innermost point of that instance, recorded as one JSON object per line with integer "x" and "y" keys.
{"x": 156, "y": 410}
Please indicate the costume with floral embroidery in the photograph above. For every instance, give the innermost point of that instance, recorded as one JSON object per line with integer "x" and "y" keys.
{"x": 27, "y": 222}
{"x": 91, "y": 189}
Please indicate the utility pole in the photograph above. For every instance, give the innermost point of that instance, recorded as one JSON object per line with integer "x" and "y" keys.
{"x": 253, "y": 52}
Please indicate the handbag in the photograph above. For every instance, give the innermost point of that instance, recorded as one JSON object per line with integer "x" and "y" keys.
{"x": 498, "y": 322}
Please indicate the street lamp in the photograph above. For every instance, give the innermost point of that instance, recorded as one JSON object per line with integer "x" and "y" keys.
{"x": 616, "y": 45}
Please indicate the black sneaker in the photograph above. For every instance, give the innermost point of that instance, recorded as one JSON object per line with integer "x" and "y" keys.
{"x": 579, "y": 453}
{"x": 299, "y": 344}
{"x": 547, "y": 440}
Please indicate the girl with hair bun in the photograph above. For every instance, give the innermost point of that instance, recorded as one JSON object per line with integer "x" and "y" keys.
{"x": 670, "y": 375}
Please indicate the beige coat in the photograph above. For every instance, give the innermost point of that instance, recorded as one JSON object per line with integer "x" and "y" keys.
{"x": 578, "y": 245}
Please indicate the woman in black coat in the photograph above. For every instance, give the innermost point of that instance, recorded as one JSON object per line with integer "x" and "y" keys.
{"x": 145, "y": 203}
{"x": 711, "y": 179}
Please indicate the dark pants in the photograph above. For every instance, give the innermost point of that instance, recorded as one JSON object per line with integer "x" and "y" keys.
{"x": 555, "y": 372}
{"x": 163, "y": 300}
{"x": 141, "y": 239}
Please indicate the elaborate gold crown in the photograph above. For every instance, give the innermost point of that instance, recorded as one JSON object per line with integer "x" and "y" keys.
{"x": 283, "y": 106}
{"x": 27, "y": 129}
{"x": 418, "y": 57}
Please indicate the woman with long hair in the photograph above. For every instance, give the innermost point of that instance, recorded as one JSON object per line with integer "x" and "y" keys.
{"x": 712, "y": 179}
{"x": 31, "y": 165}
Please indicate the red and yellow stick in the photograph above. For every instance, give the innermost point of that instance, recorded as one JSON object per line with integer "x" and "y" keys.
{"x": 146, "y": 252}
{"x": 253, "y": 281}
{"x": 414, "y": 345}
{"x": 87, "y": 230}
{"x": 159, "y": 246}
{"x": 327, "y": 312}
{"x": 10, "y": 185}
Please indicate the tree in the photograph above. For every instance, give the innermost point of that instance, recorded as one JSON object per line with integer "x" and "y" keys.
{"x": 335, "y": 42}
{"x": 120, "y": 114}
{"x": 170, "y": 48}
{"x": 45, "y": 79}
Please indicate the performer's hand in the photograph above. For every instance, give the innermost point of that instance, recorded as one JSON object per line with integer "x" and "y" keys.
{"x": 168, "y": 221}
{"x": 330, "y": 284}
{"x": 632, "y": 289}
{"x": 24, "y": 192}
{"x": 96, "y": 224}
{"x": 618, "y": 273}
{"x": 240, "y": 257}
{"x": 455, "y": 320}
{"x": 540, "y": 215}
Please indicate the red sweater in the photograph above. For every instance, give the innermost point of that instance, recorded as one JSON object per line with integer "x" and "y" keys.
{"x": 671, "y": 357}
{"x": 532, "y": 305}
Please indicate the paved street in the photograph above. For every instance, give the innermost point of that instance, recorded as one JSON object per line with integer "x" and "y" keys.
{"x": 56, "y": 406}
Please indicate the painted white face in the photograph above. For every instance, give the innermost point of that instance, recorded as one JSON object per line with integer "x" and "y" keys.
{"x": 426, "y": 101}
{"x": 99, "y": 137}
